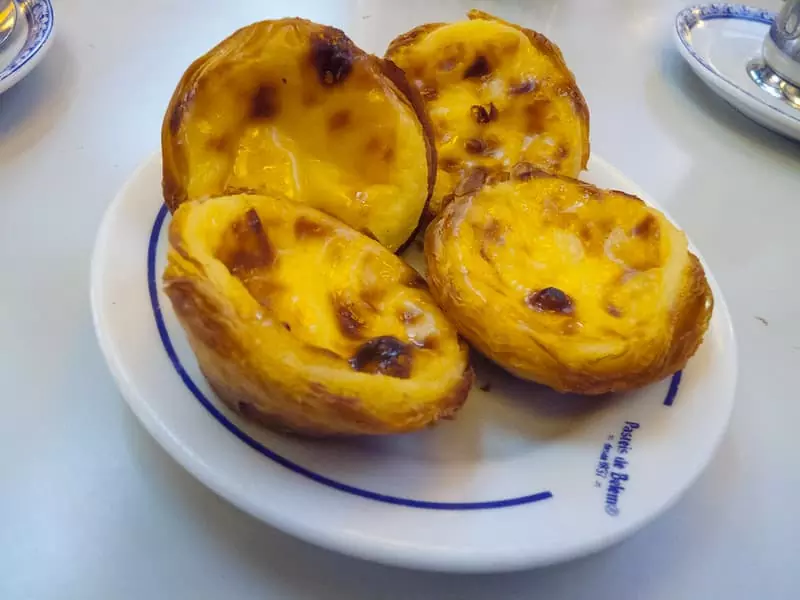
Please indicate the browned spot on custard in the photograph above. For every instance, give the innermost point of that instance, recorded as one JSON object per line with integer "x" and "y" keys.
{"x": 332, "y": 58}
{"x": 245, "y": 246}
{"x": 350, "y": 324}
{"x": 385, "y": 355}
{"x": 522, "y": 87}
{"x": 264, "y": 103}
{"x": 472, "y": 182}
{"x": 219, "y": 143}
{"x": 449, "y": 165}
{"x": 447, "y": 199}
{"x": 614, "y": 311}
{"x": 432, "y": 342}
{"x": 479, "y": 68}
{"x": 308, "y": 228}
{"x": 646, "y": 228}
{"x": 475, "y": 146}
{"x": 377, "y": 146}
{"x": 550, "y": 299}
{"x": 536, "y": 114}
{"x": 484, "y": 114}
{"x": 339, "y": 119}
{"x": 429, "y": 93}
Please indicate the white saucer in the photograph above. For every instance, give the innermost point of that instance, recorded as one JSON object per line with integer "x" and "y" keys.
{"x": 521, "y": 477}
{"x": 719, "y": 41}
{"x": 29, "y": 42}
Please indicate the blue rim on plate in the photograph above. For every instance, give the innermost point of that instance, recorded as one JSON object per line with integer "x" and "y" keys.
{"x": 152, "y": 287}
{"x": 689, "y": 18}
{"x": 40, "y": 19}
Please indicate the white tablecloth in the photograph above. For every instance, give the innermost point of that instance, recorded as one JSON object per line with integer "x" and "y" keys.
{"x": 92, "y": 508}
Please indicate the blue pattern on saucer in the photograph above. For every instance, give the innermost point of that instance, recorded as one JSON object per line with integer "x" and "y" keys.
{"x": 40, "y": 19}
{"x": 691, "y": 17}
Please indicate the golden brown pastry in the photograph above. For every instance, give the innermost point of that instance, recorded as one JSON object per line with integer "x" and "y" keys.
{"x": 497, "y": 95}
{"x": 581, "y": 289}
{"x": 296, "y": 108}
{"x": 305, "y": 325}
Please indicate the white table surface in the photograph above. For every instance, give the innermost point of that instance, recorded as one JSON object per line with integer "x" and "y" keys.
{"x": 91, "y": 507}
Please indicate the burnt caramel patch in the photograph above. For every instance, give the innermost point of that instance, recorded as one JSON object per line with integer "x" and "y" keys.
{"x": 432, "y": 342}
{"x": 245, "y": 247}
{"x": 472, "y": 182}
{"x": 475, "y": 146}
{"x": 522, "y": 87}
{"x": 219, "y": 144}
{"x": 332, "y": 59}
{"x": 646, "y": 228}
{"x": 265, "y": 102}
{"x": 429, "y": 93}
{"x": 484, "y": 114}
{"x": 385, "y": 355}
{"x": 350, "y": 324}
{"x": 614, "y": 311}
{"x": 480, "y": 67}
{"x": 449, "y": 165}
{"x": 381, "y": 148}
{"x": 536, "y": 114}
{"x": 550, "y": 299}
{"x": 308, "y": 228}
{"x": 339, "y": 120}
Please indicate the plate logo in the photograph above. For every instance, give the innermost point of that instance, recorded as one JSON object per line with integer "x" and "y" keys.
{"x": 611, "y": 470}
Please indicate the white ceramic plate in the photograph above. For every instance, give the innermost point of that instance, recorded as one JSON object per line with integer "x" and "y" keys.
{"x": 28, "y": 43}
{"x": 718, "y": 41}
{"x": 522, "y": 477}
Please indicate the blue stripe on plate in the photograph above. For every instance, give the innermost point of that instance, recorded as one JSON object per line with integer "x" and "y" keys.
{"x": 285, "y": 462}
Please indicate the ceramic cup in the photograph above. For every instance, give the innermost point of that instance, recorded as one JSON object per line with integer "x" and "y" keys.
{"x": 782, "y": 44}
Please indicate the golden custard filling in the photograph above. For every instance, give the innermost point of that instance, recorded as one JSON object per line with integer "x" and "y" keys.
{"x": 295, "y": 108}
{"x": 590, "y": 264}
{"x": 298, "y": 278}
{"x": 581, "y": 289}
{"x": 497, "y": 96}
